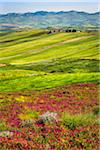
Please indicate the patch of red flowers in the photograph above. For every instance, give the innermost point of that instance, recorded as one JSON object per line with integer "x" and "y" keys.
{"x": 74, "y": 99}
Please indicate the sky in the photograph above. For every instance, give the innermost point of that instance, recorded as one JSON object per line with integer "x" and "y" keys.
{"x": 49, "y": 0}
{"x": 22, "y": 6}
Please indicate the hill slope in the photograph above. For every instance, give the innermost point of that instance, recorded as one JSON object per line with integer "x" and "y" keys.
{"x": 38, "y": 46}
{"x": 33, "y": 59}
{"x": 44, "y": 19}
{"x": 49, "y": 90}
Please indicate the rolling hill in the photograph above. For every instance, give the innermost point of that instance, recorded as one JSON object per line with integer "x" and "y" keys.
{"x": 43, "y": 19}
{"x": 49, "y": 90}
{"x": 49, "y": 81}
{"x": 42, "y": 60}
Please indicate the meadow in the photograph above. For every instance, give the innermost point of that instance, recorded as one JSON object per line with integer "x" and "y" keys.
{"x": 43, "y": 74}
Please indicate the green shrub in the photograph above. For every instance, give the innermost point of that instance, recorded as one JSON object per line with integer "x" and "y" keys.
{"x": 72, "y": 121}
{"x": 3, "y": 126}
{"x": 96, "y": 110}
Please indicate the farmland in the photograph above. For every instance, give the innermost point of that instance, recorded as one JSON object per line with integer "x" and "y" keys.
{"x": 55, "y": 73}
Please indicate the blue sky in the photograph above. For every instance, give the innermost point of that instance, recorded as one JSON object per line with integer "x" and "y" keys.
{"x": 21, "y": 6}
{"x": 49, "y": 0}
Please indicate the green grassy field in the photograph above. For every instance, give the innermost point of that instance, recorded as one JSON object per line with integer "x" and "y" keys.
{"x": 37, "y": 60}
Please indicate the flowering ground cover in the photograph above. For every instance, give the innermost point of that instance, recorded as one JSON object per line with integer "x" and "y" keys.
{"x": 76, "y": 126}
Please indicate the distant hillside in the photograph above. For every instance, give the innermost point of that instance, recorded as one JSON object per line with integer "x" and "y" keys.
{"x": 43, "y": 19}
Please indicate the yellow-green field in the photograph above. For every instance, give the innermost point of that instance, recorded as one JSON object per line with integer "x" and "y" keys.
{"x": 24, "y": 48}
{"x": 34, "y": 59}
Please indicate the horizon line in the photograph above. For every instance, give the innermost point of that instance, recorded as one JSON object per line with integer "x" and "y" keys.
{"x": 50, "y": 11}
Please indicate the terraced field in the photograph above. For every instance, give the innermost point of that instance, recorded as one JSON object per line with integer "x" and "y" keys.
{"x": 41, "y": 72}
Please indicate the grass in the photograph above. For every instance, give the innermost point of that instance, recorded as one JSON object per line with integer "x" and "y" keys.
{"x": 50, "y": 47}
{"x": 96, "y": 110}
{"x": 36, "y": 60}
{"x": 12, "y": 38}
{"x": 73, "y": 121}
{"x": 29, "y": 114}
{"x": 84, "y": 50}
{"x": 42, "y": 72}
{"x": 57, "y": 66}
{"x": 3, "y": 126}
{"x": 41, "y": 82}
